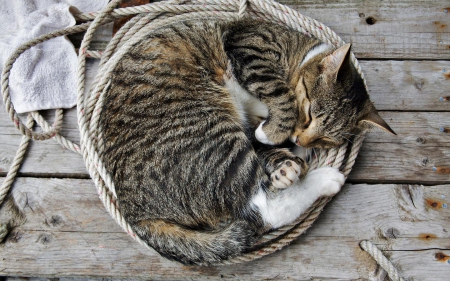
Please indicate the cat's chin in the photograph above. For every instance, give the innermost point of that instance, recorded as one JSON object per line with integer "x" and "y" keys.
{"x": 319, "y": 146}
{"x": 295, "y": 140}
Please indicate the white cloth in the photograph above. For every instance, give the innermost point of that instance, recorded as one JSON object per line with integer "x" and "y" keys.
{"x": 43, "y": 77}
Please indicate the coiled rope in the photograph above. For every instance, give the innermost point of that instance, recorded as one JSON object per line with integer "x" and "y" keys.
{"x": 149, "y": 17}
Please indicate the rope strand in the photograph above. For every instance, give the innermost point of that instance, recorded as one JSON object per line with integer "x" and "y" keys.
{"x": 12, "y": 173}
{"x": 370, "y": 248}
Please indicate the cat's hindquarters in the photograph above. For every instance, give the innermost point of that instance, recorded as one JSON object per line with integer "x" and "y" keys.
{"x": 196, "y": 247}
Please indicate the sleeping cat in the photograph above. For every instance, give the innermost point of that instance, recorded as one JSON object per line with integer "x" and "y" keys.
{"x": 191, "y": 124}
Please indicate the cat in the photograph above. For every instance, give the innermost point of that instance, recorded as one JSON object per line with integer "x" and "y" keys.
{"x": 196, "y": 121}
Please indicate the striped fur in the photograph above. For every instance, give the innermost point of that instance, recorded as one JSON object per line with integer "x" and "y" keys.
{"x": 182, "y": 154}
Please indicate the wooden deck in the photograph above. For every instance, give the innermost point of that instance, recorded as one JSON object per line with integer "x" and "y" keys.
{"x": 397, "y": 196}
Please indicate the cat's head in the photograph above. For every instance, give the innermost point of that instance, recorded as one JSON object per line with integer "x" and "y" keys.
{"x": 333, "y": 103}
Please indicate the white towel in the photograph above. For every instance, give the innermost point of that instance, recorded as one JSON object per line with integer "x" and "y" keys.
{"x": 44, "y": 77}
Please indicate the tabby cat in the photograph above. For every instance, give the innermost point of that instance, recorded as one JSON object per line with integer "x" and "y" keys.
{"x": 193, "y": 122}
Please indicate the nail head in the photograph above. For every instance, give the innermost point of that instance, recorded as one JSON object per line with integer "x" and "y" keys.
{"x": 434, "y": 169}
{"x": 441, "y": 129}
{"x": 444, "y": 70}
{"x": 444, "y": 206}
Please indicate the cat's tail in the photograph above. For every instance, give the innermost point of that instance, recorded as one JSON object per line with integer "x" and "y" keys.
{"x": 190, "y": 246}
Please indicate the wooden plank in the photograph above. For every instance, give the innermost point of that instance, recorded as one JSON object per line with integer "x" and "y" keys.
{"x": 386, "y": 213}
{"x": 384, "y": 163}
{"x": 107, "y": 255}
{"x": 415, "y": 29}
{"x": 419, "y": 128}
{"x": 408, "y": 85}
{"x": 115, "y": 255}
{"x": 408, "y": 157}
{"x": 393, "y": 85}
{"x": 60, "y": 204}
{"x": 377, "y": 211}
{"x": 66, "y": 226}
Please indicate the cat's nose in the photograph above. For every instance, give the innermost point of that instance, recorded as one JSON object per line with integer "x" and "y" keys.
{"x": 297, "y": 141}
{"x": 304, "y": 140}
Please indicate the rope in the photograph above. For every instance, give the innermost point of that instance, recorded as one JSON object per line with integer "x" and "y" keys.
{"x": 11, "y": 175}
{"x": 242, "y": 8}
{"x": 370, "y": 248}
{"x": 149, "y": 17}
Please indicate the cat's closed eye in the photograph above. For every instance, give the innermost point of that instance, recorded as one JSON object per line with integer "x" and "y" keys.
{"x": 326, "y": 139}
{"x": 308, "y": 116}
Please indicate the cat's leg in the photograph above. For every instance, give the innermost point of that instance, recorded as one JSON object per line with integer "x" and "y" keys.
{"x": 283, "y": 168}
{"x": 285, "y": 206}
{"x": 281, "y": 120}
{"x": 277, "y": 106}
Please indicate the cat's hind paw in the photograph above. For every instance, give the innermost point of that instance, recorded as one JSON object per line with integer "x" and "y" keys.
{"x": 286, "y": 175}
{"x": 326, "y": 181}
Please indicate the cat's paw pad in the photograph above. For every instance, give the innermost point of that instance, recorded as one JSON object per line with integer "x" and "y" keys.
{"x": 327, "y": 181}
{"x": 286, "y": 175}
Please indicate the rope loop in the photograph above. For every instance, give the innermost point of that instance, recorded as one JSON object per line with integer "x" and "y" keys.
{"x": 373, "y": 250}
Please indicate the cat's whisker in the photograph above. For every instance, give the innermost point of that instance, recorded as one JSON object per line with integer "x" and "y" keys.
{"x": 347, "y": 139}
{"x": 314, "y": 150}
{"x": 351, "y": 134}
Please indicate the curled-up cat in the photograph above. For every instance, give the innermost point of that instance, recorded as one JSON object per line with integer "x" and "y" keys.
{"x": 179, "y": 124}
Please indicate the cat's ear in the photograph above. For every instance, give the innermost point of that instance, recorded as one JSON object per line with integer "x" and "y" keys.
{"x": 374, "y": 119}
{"x": 333, "y": 62}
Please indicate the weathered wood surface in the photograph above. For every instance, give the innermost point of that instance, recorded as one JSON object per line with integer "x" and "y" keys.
{"x": 404, "y": 50}
{"x": 66, "y": 226}
{"x": 408, "y": 85}
{"x": 406, "y": 29}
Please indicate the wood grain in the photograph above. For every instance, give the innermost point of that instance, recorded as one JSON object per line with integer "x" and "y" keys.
{"x": 409, "y": 157}
{"x": 408, "y": 85}
{"x": 403, "y": 29}
{"x": 67, "y": 227}
{"x": 404, "y": 51}
{"x": 377, "y": 212}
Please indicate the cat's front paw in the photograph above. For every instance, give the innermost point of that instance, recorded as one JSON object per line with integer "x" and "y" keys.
{"x": 326, "y": 181}
{"x": 286, "y": 175}
{"x": 270, "y": 133}
{"x": 261, "y": 135}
